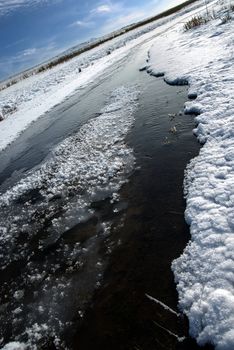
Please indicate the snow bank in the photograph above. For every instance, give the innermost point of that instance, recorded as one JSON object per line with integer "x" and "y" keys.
{"x": 204, "y": 59}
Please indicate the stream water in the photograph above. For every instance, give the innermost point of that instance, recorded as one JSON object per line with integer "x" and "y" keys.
{"x": 93, "y": 278}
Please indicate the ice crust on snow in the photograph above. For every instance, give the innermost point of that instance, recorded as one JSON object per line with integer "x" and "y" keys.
{"x": 204, "y": 59}
{"x": 89, "y": 166}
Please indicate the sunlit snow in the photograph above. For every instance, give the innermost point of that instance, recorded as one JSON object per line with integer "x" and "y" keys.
{"x": 203, "y": 58}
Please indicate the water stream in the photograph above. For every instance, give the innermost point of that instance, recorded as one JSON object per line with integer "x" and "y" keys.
{"x": 86, "y": 288}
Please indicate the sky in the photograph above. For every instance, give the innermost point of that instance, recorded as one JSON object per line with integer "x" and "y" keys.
{"x": 31, "y": 31}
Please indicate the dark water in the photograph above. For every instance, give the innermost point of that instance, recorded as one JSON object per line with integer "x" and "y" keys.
{"x": 154, "y": 233}
{"x": 104, "y": 303}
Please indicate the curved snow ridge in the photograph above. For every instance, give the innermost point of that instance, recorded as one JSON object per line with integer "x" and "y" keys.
{"x": 88, "y": 166}
{"x": 204, "y": 59}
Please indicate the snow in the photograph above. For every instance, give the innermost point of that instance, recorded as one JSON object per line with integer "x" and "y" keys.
{"x": 203, "y": 58}
{"x": 95, "y": 162}
{"x": 14, "y": 346}
{"x": 23, "y": 103}
{"x": 88, "y": 166}
{"x": 91, "y": 164}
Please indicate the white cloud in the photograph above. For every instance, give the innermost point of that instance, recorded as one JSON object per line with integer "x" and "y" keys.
{"x": 7, "y": 6}
{"x": 107, "y": 8}
{"x": 22, "y": 56}
{"x": 29, "y": 52}
{"x": 84, "y": 24}
{"x": 103, "y": 9}
{"x": 27, "y": 58}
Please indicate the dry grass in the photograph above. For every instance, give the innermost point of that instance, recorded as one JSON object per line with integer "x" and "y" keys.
{"x": 195, "y": 22}
{"x": 225, "y": 15}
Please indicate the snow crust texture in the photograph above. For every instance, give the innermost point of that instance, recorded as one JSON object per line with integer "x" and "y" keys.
{"x": 38, "y": 212}
{"x": 204, "y": 59}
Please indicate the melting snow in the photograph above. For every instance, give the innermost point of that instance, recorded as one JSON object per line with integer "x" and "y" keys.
{"x": 84, "y": 168}
{"x": 88, "y": 166}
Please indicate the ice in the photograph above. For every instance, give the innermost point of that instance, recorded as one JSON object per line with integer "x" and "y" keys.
{"x": 166, "y": 307}
{"x": 90, "y": 164}
{"x": 36, "y": 214}
{"x": 204, "y": 273}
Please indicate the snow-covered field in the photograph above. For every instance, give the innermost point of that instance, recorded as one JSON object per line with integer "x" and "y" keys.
{"x": 203, "y": 57}
{"x": 26, "y": 101}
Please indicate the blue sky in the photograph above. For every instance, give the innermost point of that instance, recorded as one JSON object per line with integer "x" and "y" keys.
{"x": 32, "y": 31}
